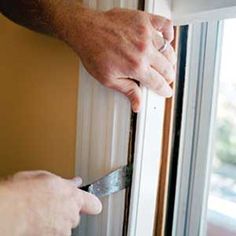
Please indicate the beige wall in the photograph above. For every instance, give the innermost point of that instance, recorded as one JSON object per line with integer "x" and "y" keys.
{"x": 38, "y": 92}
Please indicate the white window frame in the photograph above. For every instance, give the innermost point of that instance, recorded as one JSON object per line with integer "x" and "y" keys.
{"x": 198, "y": 116}
{"x": 197, "y": 128}
{"x": 102, "y": 145}
{"x": 103, "y": 135}
{"x": 192, "y": 11}
{"x": 148, "y": 151}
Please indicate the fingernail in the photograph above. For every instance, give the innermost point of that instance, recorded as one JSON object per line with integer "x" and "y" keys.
{"x": 78, "y": 181}
{"x": 136, "y": 107}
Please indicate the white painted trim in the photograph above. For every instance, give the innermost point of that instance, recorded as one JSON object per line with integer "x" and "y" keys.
{"x": 148, "y": 148}
{"x": 146, "y": 166}
{"x": 159, "y": 7}
{"x": 212, "y": 15}
{"x": 102, "y": 146}
{"x": 103, "y": 126}
{"x": 191, "y": 11}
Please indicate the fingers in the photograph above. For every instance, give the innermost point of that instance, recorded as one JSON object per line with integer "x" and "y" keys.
{"x": 76, "y": 181}
{"x": 169, "y": 53}
{"x": 163, "y": 25}
{"x": 155, "y": 81}
{"x": 79, "y": 201}
{"x": 72, "y": 210}
{"x": 131, "y": 90}
{"x": 162, "y": 65}
{"x": 90, "y": 204}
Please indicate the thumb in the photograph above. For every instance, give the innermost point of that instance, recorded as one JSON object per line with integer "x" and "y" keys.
{"x": 76, "y": 181}
{"x": 131, "y": 90}
{"x": 90, "y": 204}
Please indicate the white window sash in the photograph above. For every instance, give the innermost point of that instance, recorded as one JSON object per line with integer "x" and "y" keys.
{"x": 197, "y": 129}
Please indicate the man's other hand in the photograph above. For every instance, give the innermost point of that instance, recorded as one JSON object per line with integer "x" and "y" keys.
{"x": 40, "y": 203}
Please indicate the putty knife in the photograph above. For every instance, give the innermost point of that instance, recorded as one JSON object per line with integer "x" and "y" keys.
{"x": 111, "y": 183}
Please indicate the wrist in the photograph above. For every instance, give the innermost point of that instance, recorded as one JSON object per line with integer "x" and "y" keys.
{"x": 11, "y": 210}
{"x": 69, "y": 20}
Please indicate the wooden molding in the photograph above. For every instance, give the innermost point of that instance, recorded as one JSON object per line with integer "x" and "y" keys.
{"x": 165, "y": 161}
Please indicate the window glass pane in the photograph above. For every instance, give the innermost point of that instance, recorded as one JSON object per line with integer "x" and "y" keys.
{"x": 221, "y": 215}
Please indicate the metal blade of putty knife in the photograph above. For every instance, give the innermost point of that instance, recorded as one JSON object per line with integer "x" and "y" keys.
{"x": 114, "y": 182}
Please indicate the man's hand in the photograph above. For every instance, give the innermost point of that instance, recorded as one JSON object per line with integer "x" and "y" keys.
{"x": 118, "y": 47}
{"x": 39, "y": 203}
{"x": 121, "y": 47}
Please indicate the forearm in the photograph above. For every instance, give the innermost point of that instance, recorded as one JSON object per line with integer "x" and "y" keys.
{"x": 45, "y": 16}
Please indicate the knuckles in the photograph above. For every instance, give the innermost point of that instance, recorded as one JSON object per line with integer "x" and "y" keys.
{"x": 142, "y": 46}
{"x": 56, "y": 185}
{"x": 131, "y": 93}
{"x": 142, "y": 30}
{"x": 159, "y": 85}
{"x": 138, "y": 64}
{"x": 107, "y": 82}
{"x": 168, "y": 72}
{"x": 141, "y": 17}
{"x": 135, "y": 64}
{"x": 169, "y": 24}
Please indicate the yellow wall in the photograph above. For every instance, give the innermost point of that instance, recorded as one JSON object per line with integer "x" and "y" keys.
{"x": 38, "y": 93}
